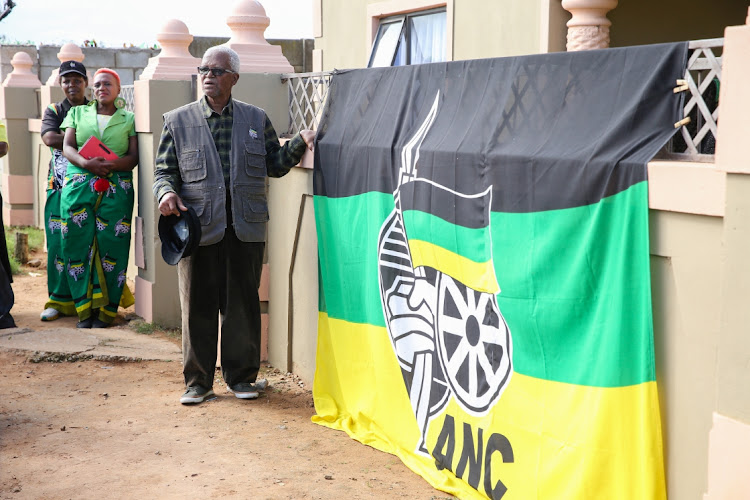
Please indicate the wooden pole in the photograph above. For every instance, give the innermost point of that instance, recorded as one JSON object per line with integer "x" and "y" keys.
{"x": 22, "y": 248}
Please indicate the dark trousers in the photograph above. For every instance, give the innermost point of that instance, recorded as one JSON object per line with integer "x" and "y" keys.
{"x": 6, "y": 278}
{"x": 222, "y": 278}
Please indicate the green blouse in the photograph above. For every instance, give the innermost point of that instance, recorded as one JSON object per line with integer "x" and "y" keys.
{"x": 119, "y": 129}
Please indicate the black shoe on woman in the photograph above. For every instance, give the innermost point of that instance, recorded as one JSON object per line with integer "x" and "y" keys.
{"x": 97, "y": 323}
{"x": 6, "y": 321}
{"x": 86, "y": 323}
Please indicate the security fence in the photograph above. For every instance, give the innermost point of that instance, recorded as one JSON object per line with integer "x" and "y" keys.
{"x": 307, "y": 97}
{"x": 696, "y": 139}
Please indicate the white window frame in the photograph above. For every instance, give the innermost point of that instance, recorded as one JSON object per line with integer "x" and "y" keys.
{"x": 381, "y": 10}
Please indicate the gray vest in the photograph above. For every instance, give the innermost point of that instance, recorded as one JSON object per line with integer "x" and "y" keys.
{"x": 202, "y": 178}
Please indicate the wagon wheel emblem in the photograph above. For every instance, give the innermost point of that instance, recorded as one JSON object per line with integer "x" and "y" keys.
{"x": 474, "y": 344}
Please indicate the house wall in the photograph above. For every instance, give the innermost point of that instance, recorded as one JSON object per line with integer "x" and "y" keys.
{"x": 479, "y": 28}
{"x": 496, "y": 29}
{"x": 685, "y": 274}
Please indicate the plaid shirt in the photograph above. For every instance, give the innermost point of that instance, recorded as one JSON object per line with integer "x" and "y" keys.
{"x": 279, "y": 160}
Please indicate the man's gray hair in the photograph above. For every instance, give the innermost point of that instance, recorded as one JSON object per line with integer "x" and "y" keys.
{"x": 234, "y": 59}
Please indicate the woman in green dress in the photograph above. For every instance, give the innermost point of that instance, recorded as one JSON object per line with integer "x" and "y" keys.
{"x": 97, "y": 202}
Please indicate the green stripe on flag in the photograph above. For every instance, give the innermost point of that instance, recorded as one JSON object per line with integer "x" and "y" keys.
{"x": 473, "y": 244}
{"x": 348, "y": 230}
{"x": 572, "y": 280}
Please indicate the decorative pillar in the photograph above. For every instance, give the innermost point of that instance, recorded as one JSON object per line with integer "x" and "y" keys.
{"x": 165, "y": 84}
{"x": 18, "y": 103}
{"x": 248, "y": 22}
{"x": 21, "y": 76}
{"x": 589, "y": 27}
{"x": 68, "y": 52}
{"x": 174, "y": 62}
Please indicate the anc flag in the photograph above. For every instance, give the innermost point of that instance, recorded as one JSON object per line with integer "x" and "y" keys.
{"x": 485, "y": 307}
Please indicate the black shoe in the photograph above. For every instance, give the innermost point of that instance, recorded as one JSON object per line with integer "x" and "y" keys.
{"x": 244, "y": 390}
{"x": 6, "y": 321}
{"x": 86, "y": 323}
{"x": 196, "y": 394}
{"x": 97, "y": 323}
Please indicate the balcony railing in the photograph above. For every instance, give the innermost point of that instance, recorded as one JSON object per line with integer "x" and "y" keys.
{"x": 694, "y": 141}
{"x": 307, "y": 96}
{"x": 127, "y": 92}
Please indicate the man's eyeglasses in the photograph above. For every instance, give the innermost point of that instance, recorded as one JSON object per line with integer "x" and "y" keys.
{"x": 204, "y": 70}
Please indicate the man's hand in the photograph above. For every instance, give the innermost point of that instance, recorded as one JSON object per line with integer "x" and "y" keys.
{"x": 170, "y": 203}
{"x": 309, "y": 137}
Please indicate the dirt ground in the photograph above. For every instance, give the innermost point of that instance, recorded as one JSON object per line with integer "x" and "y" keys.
{"x": 97, "y": 429}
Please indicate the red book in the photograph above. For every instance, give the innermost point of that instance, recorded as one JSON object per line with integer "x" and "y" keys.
{"x": 93, "y": 148}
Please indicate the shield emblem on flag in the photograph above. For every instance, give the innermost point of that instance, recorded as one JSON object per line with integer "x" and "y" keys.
{"x": 438, "y": 286}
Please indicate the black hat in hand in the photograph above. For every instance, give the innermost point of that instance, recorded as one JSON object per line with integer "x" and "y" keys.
{"x": 179, "y": 234}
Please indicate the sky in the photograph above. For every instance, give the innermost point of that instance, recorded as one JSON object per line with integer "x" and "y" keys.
{"x": 114, "y": 23}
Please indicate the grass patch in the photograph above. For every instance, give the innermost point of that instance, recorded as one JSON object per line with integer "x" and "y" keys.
{"x": 140, "y": 326}
{"x": 145, "y": 328}
{"x": 36, "y": 241}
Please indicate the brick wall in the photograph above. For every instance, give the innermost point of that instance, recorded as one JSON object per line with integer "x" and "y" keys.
{"x": 297, "y": 52}
{"x": 130, "y": 62}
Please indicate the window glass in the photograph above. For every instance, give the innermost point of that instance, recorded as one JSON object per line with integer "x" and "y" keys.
{"x": 427, "y": 37}
{"x": 400, "y": 59}
{"x": 414, "y": 38}
{"x": 386, "y": 42}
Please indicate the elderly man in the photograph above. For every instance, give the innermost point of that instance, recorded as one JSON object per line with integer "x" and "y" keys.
{"x": 214, "y": 155}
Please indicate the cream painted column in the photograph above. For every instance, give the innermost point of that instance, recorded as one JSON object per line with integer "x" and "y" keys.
{"x": 18, "y": 103}
{"x": 729, "y": 440}
{"x": 589, "y": 27}
{"x": 248, "y": 22}
{"x": 165, "y": 84}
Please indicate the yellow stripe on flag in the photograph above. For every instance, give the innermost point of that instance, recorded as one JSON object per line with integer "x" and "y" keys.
{"x": 566, "y": 441}
{"x": 477, "y": 275}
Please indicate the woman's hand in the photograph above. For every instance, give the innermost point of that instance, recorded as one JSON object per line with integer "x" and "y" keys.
{"x": 98, "y": 166}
